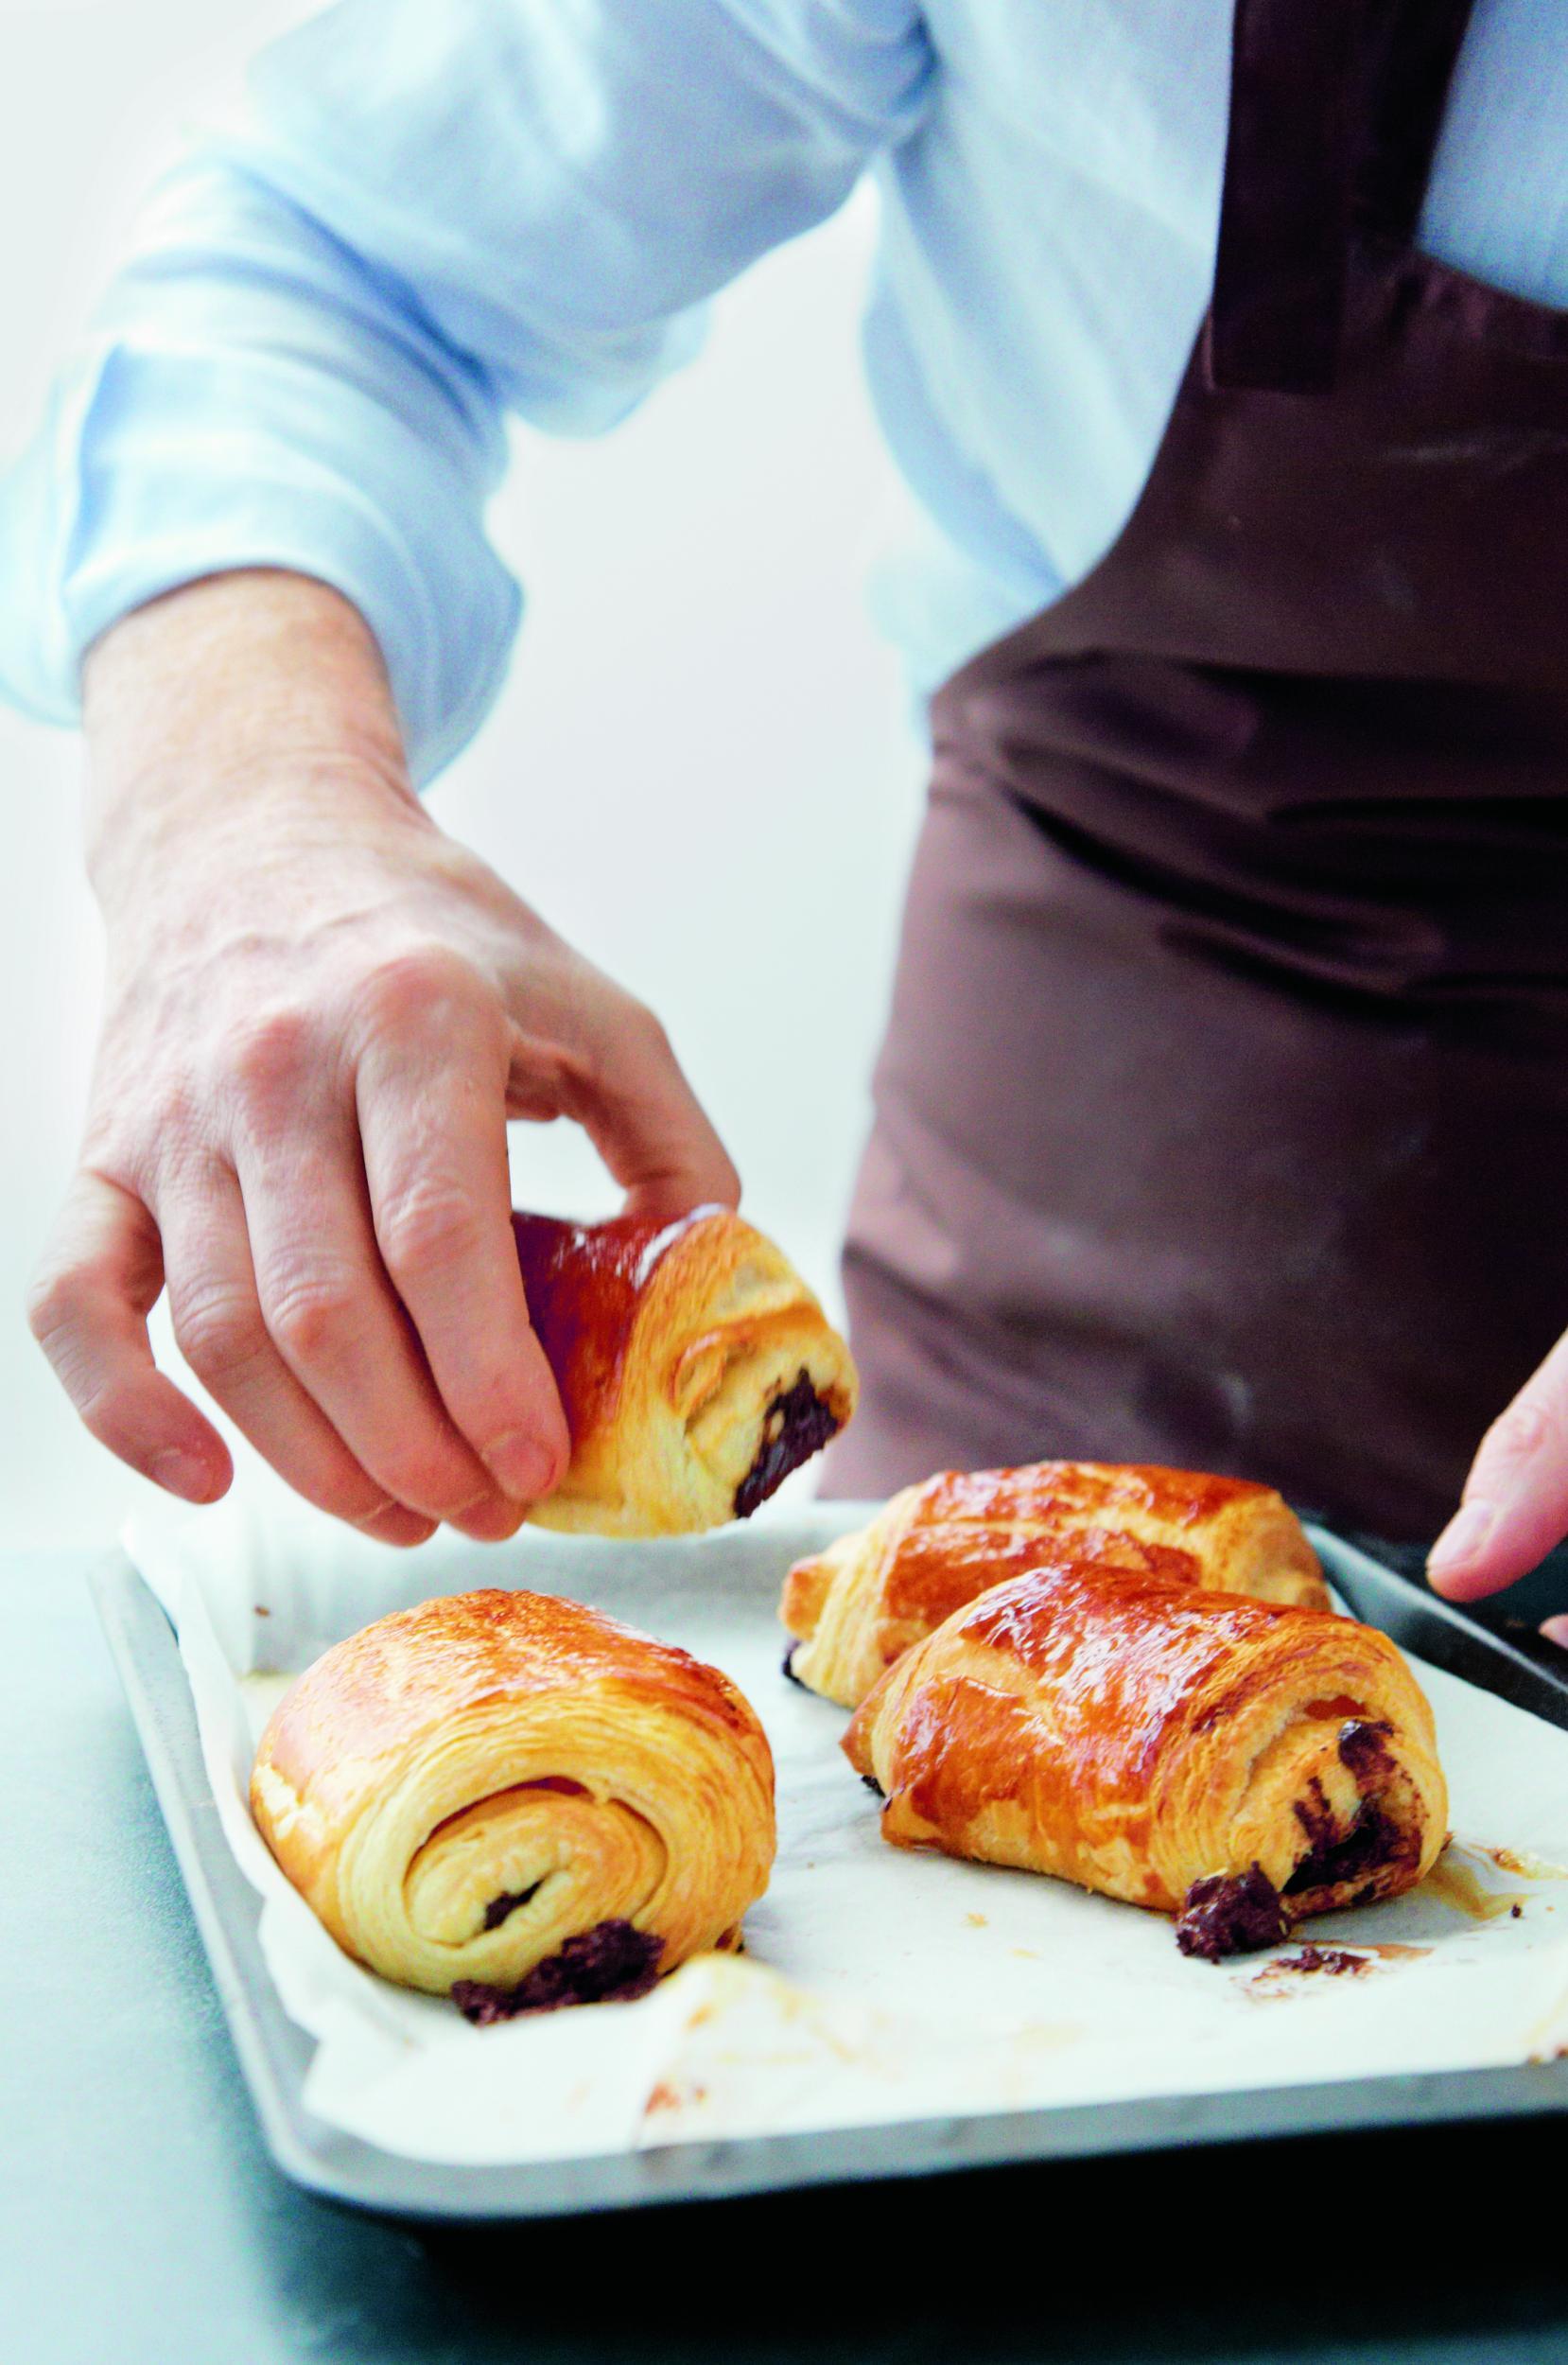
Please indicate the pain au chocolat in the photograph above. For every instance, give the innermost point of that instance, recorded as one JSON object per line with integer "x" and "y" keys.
{"x": 516, "y": 1802}
{"x": 857, "y": 1607}
{"x": 695, "y": 1367}
{"x": 1240, "y": 1763}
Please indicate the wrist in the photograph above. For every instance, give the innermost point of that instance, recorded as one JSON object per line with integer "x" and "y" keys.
{"x": 229, "y": 696}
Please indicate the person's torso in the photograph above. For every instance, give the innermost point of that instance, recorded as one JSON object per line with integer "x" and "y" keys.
{"x": 1048, "y": 253}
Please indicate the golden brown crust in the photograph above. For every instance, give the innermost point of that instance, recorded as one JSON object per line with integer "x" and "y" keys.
{"x": 1138, "y": 1736}
{"x": 695, "y": 1368}
{"x": 491, "y": 1745}
{"x": 874, "y": 1594}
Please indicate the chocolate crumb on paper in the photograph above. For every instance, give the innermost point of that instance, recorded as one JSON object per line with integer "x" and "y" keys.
{"x": 1337, "y": 1962}
{"x": 667, "y": 2097}
{"x": 1282, "y": 1975}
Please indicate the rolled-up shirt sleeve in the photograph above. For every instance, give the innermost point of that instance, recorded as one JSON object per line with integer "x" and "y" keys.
{"x": 424, "y": 214}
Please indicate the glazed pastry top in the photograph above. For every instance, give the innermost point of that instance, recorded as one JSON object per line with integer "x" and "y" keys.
{"x": 585, "y": 1284}
{"x": 696, "y": 1368}
{"x": 1139, "y": 1737}
{"x": 875, "y": 1593}
{"x": 364, "y": 1704}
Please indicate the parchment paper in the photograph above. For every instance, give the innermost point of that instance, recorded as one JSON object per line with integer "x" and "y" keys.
{"x": 877, "y": 1985}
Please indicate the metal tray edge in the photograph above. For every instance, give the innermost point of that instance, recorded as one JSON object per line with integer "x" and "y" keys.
{"x": 274, "y": 2053}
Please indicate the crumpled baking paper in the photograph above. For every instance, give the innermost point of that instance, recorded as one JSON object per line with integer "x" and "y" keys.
{"x": 877, "y": 1985}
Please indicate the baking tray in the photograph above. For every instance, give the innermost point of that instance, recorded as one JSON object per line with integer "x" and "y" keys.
{"x": 274, "y": 2054}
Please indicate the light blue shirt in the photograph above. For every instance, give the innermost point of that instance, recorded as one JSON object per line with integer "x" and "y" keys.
{"x": 430, "y": 213}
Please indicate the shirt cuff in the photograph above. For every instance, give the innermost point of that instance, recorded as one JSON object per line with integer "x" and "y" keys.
{"x": 137, "y": 490}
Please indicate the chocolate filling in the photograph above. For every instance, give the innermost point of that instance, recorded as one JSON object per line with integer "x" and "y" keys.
{"x": 1230, "y": 1912}
{"x": 1233, "y": 1914}
{"x": 498, "y": 1907}
{"x": 873, "y": 1785}
{"x": 796, "y": 1425}
{"x": 1371, "y": 1842}
{"x": 790, "y": 1668}
{"x": 612, "y": 1963}
{"x": 1336, "y": 1960}
{"x": 1362, "y": 1749}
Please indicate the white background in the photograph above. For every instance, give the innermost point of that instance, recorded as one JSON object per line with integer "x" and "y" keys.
{"x": 704, "y": 768}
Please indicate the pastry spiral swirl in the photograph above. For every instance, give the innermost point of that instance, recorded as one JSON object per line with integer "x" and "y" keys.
{"x": 466, "y": 1789}
{"x": 695, "y": 1367}
{"x": 858, "y": 1605}
{"x": 1241, "y": 1763}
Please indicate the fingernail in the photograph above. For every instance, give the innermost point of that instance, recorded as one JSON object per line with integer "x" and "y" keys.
{"x": 492, "y": 1521}
{"x": 1464, "y": 1536}
{"x": 472, "y": 1506}
{"x": 524, "y": 1468}
{"x": 1556, "y": 1630}
{"x": 185, "y": 1475}
{"x": 395, "y": 1524}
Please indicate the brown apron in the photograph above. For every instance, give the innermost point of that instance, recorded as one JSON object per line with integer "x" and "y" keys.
{"x": 1222, "y": 1113}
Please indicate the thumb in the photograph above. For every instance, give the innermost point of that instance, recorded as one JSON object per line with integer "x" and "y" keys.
{"x": 623, "y": 1084}
{"x": 1514, "y": 1508}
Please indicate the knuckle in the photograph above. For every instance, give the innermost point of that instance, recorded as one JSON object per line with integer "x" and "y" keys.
{"x": 308, "y": 1315}
{"x": 426, "y": 1226}
{"x": 405, "y": 988}
{"x": 646, "y": 1031}
{"x": 269, "y": 1052}
{"x": 216, "y": 1331}
{"x": 58, "y": 1297}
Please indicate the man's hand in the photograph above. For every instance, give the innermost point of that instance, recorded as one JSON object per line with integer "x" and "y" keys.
{"x": 1514, "y": 1508}
{"x": 320, "y": 1013}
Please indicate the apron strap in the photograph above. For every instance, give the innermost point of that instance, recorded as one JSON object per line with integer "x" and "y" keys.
{"x": 1421, "y": 46}
{"x": 1335, "y": 107}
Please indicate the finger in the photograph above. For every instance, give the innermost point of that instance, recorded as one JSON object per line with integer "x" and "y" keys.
{"x": 627, "y": 1090}
{"x": 1515, "y": 1503}
{"x": 219, "y": 1328}
{"x": 332, "y": 1315}
{"x": 432, "y": 1124}
{"x": 1556, "y": 1630}
{"x": 88, "y": 1310}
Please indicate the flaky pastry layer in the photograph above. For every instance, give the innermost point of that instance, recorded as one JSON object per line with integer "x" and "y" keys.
{"x": 858, "y": 1606}
{"x": 460, "y": 1789}
{"x": 1145, "y": 1739}
{"x": 695, "y": 1367}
